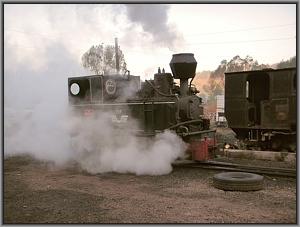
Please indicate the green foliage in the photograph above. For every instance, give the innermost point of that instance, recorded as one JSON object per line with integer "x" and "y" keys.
{"x": 101, "y": 59}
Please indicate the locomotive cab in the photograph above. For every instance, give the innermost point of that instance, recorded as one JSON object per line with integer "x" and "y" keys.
{"x": 102, "y": 88}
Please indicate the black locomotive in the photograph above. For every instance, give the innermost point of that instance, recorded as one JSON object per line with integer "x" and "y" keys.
{"x": 156, "y": 105}
{"x": 261, "y": 107}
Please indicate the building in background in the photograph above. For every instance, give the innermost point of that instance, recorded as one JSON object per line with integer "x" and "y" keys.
{"x": 220, "y": 112}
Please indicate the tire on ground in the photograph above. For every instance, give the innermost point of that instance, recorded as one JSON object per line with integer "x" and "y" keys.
{"x": 238, "y": 181}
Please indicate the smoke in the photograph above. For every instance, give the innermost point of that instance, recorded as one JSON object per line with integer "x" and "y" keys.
{"x": 35, "y": 106}
{"x": 38, "y": 121}
{"x": 118, "y": 149}
{"x": 154, "y": 19}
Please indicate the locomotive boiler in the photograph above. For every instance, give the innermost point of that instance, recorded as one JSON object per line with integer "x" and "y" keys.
{"x": 261, "y": 107}
{"x": 156, "y": 105}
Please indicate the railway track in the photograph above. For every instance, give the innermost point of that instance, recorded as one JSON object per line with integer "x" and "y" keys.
{"x": 214, "y": 165}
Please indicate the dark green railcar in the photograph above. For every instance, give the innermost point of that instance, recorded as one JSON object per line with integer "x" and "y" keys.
{"x": 261, "y": 107}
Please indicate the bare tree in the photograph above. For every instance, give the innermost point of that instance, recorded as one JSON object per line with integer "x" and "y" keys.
{"x": 101, "y": 59}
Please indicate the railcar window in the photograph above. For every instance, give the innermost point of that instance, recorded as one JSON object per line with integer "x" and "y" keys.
{"x": 247, "y": 89}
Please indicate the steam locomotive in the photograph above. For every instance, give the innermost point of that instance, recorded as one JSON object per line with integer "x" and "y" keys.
{"x": 157, "y": 105}
{"x": 261, "y": 107}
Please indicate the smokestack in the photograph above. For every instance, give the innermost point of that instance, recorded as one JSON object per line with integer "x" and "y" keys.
{"x": 117, "y": 55}
{"x": 183, "y": 67}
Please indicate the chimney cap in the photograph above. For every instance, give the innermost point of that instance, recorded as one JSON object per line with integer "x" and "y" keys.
{"x": 183, "y": 65}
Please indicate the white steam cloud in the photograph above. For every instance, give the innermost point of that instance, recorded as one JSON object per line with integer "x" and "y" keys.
{"x": 100, "y": 147}
{"x": 36, "y": 107}
{"x": 37, "y": 121}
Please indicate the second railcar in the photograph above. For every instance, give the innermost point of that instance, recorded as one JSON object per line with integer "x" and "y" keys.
{"x": 261, "y": 107}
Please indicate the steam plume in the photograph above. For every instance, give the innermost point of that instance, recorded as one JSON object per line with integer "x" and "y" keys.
{"x": 37, "y": 121}
{"x": 154, "y": 19}
{"x": 108, "y": 150}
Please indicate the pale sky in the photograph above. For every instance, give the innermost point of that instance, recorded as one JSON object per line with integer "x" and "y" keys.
{"x": 148, "y": 34}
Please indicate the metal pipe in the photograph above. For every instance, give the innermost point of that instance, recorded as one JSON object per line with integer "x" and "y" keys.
{"x": 196, "y": 133}
{"x": 191, "y": 84}
{"x": 185, "y": 123}
{"x": 184, "y": 87}
{"x": 117, "y": 55}
{"x": 159, "y": 91}
{"x": 284, "y": 133}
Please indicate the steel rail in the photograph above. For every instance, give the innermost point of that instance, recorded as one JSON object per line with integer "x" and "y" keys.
{"x": 216, "y": 163}
{"x": 211, "y": 165}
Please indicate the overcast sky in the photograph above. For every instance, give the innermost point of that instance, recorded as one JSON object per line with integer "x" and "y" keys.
{"x": 148, "y": 34}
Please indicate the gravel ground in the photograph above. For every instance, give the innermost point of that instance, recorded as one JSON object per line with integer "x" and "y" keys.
{"x": 37, "y": 192}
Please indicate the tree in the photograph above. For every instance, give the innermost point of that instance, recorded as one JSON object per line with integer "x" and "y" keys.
{"x": 101, "y": 59}
{"x": 213, "y": 88}
{"x": 288, "y": 63}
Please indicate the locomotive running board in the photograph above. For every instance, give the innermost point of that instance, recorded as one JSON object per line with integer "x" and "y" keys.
{"x": 120, "y": 104}
{"x": 184, "y": 134}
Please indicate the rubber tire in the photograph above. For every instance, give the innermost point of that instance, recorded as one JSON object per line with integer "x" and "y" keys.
{"x": 238, "y": 181}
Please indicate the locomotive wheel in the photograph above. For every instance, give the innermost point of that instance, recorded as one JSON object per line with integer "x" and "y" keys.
{"x": 238, "y": 181}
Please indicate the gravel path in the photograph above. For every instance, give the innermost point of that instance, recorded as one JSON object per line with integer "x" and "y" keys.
{"x": 36, "y": 192}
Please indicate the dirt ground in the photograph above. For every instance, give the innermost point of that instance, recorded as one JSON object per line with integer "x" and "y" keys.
{"x": 36, "y": 192}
